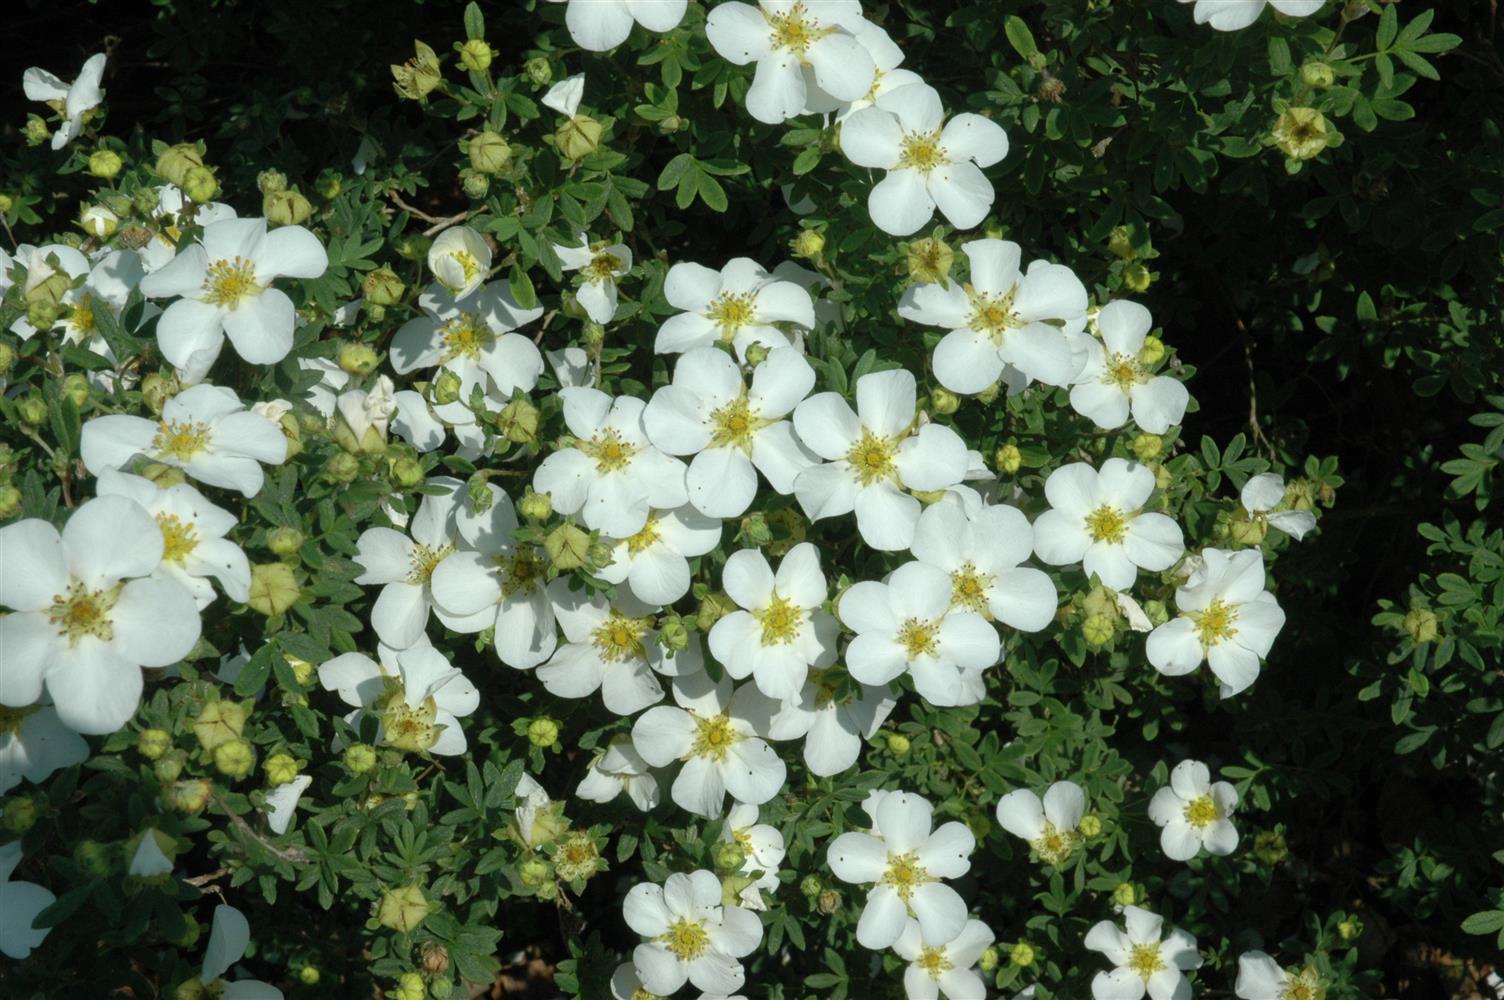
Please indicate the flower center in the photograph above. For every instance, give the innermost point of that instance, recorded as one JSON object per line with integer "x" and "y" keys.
{"x": 646, "y": 538}
{"x": 610, "y": 452}
{"x": 642, "y": 994}
{"x": 577, "y": 856}
{"x": 905, "y": 874}
{"x": 968, "y": 589}
{"x": 81, "y": 612}
{"x": 918, "y": 638}
{"x": 465, "y": 336}
{"x": 934, "y": 962}
{"x": 730, "y": 311}
{"x": 1124, "y": 372}
{"x": 871, "y": 459}
{"x": 1201, "y": 812}
{"x": 423, "y": 560}
{"x": 602, "y": 267}
{"x": 178, "y": 539}
{"x": 180, "y": 439}
{"x": 1107, "y": 524}
{"x": 686, "y": 939}
{"x": 714, "y": 736}
{"x": 229, "y": 281}
{"x": 469, "y": 266}
{"x": 619, "y": 637}
{"x": 922, "y": 151}
{"x": 1305, "y": 986}
{"x": 520, "y": 571}
{"x": 1215, "y": 623}
{"x": 1054, "y": 845}
{"x": 11, "y": 718}
{"x": 1144, "y": 959}
{"x": 780, "y": 621}
{"x": 83, "y": 316}
{"x": 794, "y": 31}
{"x": 826, "y": 683}
{"x": 406, "y": 727}
{"x": 734, "y": 424}
{"x": 993, "y": 314}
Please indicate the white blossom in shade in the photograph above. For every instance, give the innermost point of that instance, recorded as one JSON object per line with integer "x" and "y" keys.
{"x": 601, "y": 266}
{"x": 611, "y": 647}
{"x": 42, "y": 263}
{"x": 20, "y": 902}
{"x": 194, "y": 546}
{"x": 804, "y": 50}
{"x": 332, "y": 381}
{"x": 1114, "y": 381}
{"x": 224, "y": 289}
{"x": 945, "y": 969}
{"x": 366, "y": 414}
{"x": 981, "y": 551}
{"x": 72, "y": 101}
{"x": 620, "y": 769}
{"x": 229, "y": 936}
{"x": 1004, "y": 316}
{"x": 1266, "y": 491}
{"x": 654, "y": 563}
{"x": 626, "y": 986}
{"x": 460, "y": 259}
{"x": 1261, "y": 978}
{"x": 1050, "y": 826}
{"x": 1194, "y": 812}
{"x": 930, "y": 162}
{"x": 533, "y": 804}
{"x": 737, "y": 306}
{"x": 719, "y": 735}
{"x": 1234, "y": 15}
{"x": 764, "y": 848}
{"x": 89, "y": 613}
{"x": 473, "y": 339}
{"x": 565, "y": 96}
{"x": 403, "y": 566}
{"x": 416, "y": 695}
{"x": 494, "y": 581}
{"x": 148, "y": 860}
{"x": 571, "y": 366}
{"x": 105, "y": 291}
{"x": 1096, "y": 518}
{"x": 613, "y": 475}
{"x": 905, "y": 861}
{"x": 1226, "y": 618}
{"x": 872, "y": 456}
{"x": 204, "y": 430}
{"x": 886, "y": 56}
{"x": 34, "y": 742}
{"x": 779, "y": 632}
{"x": 907, "y": 624}
{"x": 690, "y": 936}
{"x": 282, "y": 803}
{"x": 832, "y": 719}
{"x": 602, "y": 25}
{"x": 1146, "y": 959}
{"x": 732, "y": 432}
{"x": 423, "y": 424}
{"x": 169, "y": 223}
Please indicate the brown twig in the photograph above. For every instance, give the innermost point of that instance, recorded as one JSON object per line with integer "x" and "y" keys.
{"x": 292, "y": 855}
{"x": 438, "y": 224}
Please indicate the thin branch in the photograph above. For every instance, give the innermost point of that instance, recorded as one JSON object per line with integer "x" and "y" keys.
{"x": 293, "y": 855}
{"x": 438, "y": 224}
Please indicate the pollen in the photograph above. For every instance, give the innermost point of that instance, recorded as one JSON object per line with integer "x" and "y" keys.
{"x": 871, "y": 459}
{"x": 714, "y": 737}
{"x": 408, "y": 728}
{"x": 731, "y": 311}
{"x": 794, "y": 30}
{"x": 423, "y": 560}
{"x": 180, "y": 439}
{"x": 79, "y": 613}
{"x": 647, "y": 537}
{"x": 1303, "y": 986}
{"x": 922, "y": 151}
{"x": 918, "y": 638}
{"x": 1201, "y": 812}
{"x": 469, "y": 266}
{"x": 993, "y": 314}
{"x": 1107, "y": 524}
{"x": 229, "y": 281}
{"x": 610, "y": 452}
{"x": 968, "y": 589}
{"x": 733, "y": 425}
{"x": 465, "y": 336}
{"x": 905, "y": 874}
{"x": 179, "y": 539}
{"x": 619, "y": 637}
{"x": 520, "y": 571}
{"x": 934, "y": 962}
{"x": 1215, "y": 623}
{"x": 82, "y": 318}
{"x": 780, "y": 621}
{"x": 1124, "y": 372}
{"x": 602, "y": 267}
{"x": 1054, "y": 845}
{"x": 686, "y": 939}
{"x": 1144, "y": 959}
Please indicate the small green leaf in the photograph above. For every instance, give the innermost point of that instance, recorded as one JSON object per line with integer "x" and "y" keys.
{"x": 1020, "y": 37}
{"x": 475, "y": 22}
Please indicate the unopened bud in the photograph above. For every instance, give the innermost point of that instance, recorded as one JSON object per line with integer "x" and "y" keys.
{"x": 1124, "y": 894}
{"x": 898, "y": 744}
{"x": 219, "y": 722}
{"x": 1022, "y": 954}
{"x": 1008, "y": 459}
{"x": 234, "y": 759}
{"x": 543, "y": 733}
{"x": 76, "y": 388}
{"x": 929, "y": 261}
{"x": 713, "y": 607}
{"x": 99, "y": 222}
{"x": 1090, "y": 825}
{"x": 1350, "y": 928}
{"x": 535, "y": 506}
{"x": 567, "y": 546}
{"x": 286, "y": 208}
{"x": 190, "y": 796}
{"x": 808, "y": 244}
{"x": 200, "y": 185}
{"x": 476, "y": 186}
{"x": 1147, "y": 447}
{"x": 490, "y": 153}
{"x": 578, "y": 137}
{"x": 36, "y": 132}
{"x": 342, "y": 468}
{"x": 1098, "y": 630}
{"x": 274, "y": 588}
{"x": 673, "y": 634}
{"x": 987, "y": 961}
{"x": 360, "y": 757}
{"x": 406, "y": 472}
{"x": 409, "y": 987}
{"x": 153, "y": 743}
{"x": 284, "y": 541}
{"x": 20, "y": 814}
{"x": 1120, "y": 243}
{"x": 1317, "y": 74}
{"x": 1137, "y": 277}
{"x": 1152, "y": 352}
{"x": 1422, "y": 624}
{"x": 328, "y": 184}
{"x": 475, "y": 55}
{"x": 105, "y": 164}
{"x": 402, "y": 909}
{"x": 1269, "y": 847}
{"x": 944, "y": 402}
{"x": 169, "y": 767}
{"x": 539, "y": 71}
{"x": 518, "y": 421}
{"x": 280, "y": 768}
{"x": 382, "y": 287}
{"x": 308, "y": 975}
{"x": 446, "y": 388}
{"x": 10, "y": 501}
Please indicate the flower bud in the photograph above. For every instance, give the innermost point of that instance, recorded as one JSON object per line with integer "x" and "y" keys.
{"x": 595, "y": 337}
{"x": 286, "y": 208}
{"x": 1098, "y": 630}
{"x": 274, "y": 588}
{"x": 105, "y": 164}
{"x": 1163, "y": 480}
{"x": 10, "y": 501}
{"x": 535, "y": 506}
{"x": 446, "y": 388}
{"x": 441, "y": 989}
{"x": 270, "y": 182}
{"x": 490, "y": 153}
{"x": 382, "y": 287}
{"x": 284, "y": 541}
{"x": 342, "y": 468}
{"x": 898, "y": 744}
{"x": 189, "y": 796}
{"x": 190, "y": 989}
{"x": 1350, "y": 928}
{"x": 169, "y": 767}
{"x": 200, "y": 185}
{"x": 828, "y": 902}
{"x": 355, "y": 358}
{"x": 476, "y": 186}
{"x": 808, "y": 244}
{"x": 1147, "y": 447}
{"x": 280, "y": 768}
{"x": 534, "y": 872}
{"x": 601, "y": 554}
{"x": 1269, "y": 847}
{"x": 476, "y": 55}
{"x": 811, "y": 886}
{"x": 539, "y": 71}
{"x": 99, "y": 222}
{"x": 944, "y": 402}
{"x": 76, "y": 388}
{"x": 328, "y": 184}
{"x": 7, "y": 358}
{"x": 94, "y": 857}
{"x": 756, "y": 355}
{"x": 1152, "y": 351}
{"x": 409, "y": 987}
{"x": 157, "y": 389}
{"x": 1120, "y": 243}
{"x": 1124, "y": 894}
{"x": 360, "y": 757}
{"x": 578, "y": 137}
{"x": 419, "y": 76}
{"x": 1247, "y": 531}
{"x": 153, "y": 743}
{"x": 402, "y": 909}
{"x": 1022, "y": 955}
{"x": 756, "y": 530}
{"x": 929, "y": 261}
{"x": 730, "y": 856}
{"x": 20, "y": 814}
{"x": 302, "y": 670}
{"x": 36, "y": 132}
{"x": 1090, "y": 825}
{"x": 234, "y": 759}
{"x": 1302, "y": 133}
{"x": 518, "y": 421}
{"x": 673, "y": 635}
{"x": 543, "y": 733}
{"x": 308, "y": 975}
{"x": 43, "y": 314}
{"x": 220, "y": 721}
{"x": 1137, "y": 277}
{"x": 567, "y": 546}
{"x": 1317, "y": 74}
{"x": 1422, "y": 624}
{"x": 1008, "y": 459}
{"x": 407, "y": 473}
{"x": 713, "y": 607}
{"x": 988, "y": 959}
{"x": 435, "y": 958}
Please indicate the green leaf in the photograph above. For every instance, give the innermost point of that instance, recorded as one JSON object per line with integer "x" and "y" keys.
{"x": 1020, "y": 37}
{"x": 1366, "y": 311}
{"x": 1484, "y": 922}
{"x": 674, "y": 171}
{"x": 475, "y": 22}
{"x": 1389, "y": 27}
{"x": 712, "y": 194}
{"x": 255, "y": 672}
{"x": 522, "y": 288}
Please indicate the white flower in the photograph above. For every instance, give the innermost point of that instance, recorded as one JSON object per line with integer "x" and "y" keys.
{"x": 282, "y": 802}
{"x": 1002, "y": 316}
{"x": 908, "y": 624}
{"x": 886, "y": 56}
{"x": 613, "y": 475}
{"x": 905, "y": 863}
{"x": 981, "y": 551}
{"x": 709, "y": 412}
{"x": 323, "y": 393}
{"x": 620, "y": 769}
{"x": 764, "y": 848}
{"x": 194, "y": 546}
{"x": 613, "y": 648}
{"x": 654, "y": 563}
{"x": 404, "y": 566}
{"x": 1194, "y": 812}
{"x": 71, "y": 100}
{"x": 473, "y": 339}
{"x": 832, "y": 719}
{"x": 1049, "y": 826}
{"x": 571, "y": 366}
{"x": 1114, "y": 382}
{"x": 98, "y": 221}
{"x": 1096, "y": 519}
{"x": 690, "y": 935}
{"x": 533, "y": 804}
{"x": 928, "y": 165}
{"x": 737, "y": 306}
{"x": 1226, "y": 618}
{"x": 780, "y": 631}
{"x": 422, "y": 425}
{"x": 1232, "y": 15}
{"x": 1145, "y": 960}
{"x": 42, "y": 263}
{"x": 943, "y": 969}
{"x": 719, "y": 737}
{"x": 229, "y": 936}
{"x": 204, "y": 430}
{"x": 1262, "y": 493}
{"x": 148, "y": 861}
{"x": 34, "y": 742}
{"x": 168, "y": 215}
{"x": 803, "y": 49}
{"x": 417, "y": 697}
{"x": 111, "y": 280}
{"x": 565, "y": 96}
{"x": 1261, "y": 978}
{"x": 367, "y": 414}
{"x": 89, "y": 613}
{"x": 460, "y": 259}
{"x": 873, "y": 455}
{"x": 20, "y": 902}
{"x": 225, "y": 286}
{"x": 602, "y": 25}
{"x": 601, "y": 266}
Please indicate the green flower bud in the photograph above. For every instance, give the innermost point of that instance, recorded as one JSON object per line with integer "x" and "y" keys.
{"x": 10, "y": 501}
{"x": 1090, "y": 825}
{"x": 756, "y": 530}
{"x": 828, "y": 902}
{"x": 1125, "y": 894}
{"x": 1247, "y": 531}
{"x": 7, "y": 358}
{"x": 1098, "y": 630}
{"x": 43, "y": 314}
{"x": 284, "y": 541}
{"x": 234, "y": 759}
{"x": 476, "y": 186}
{"x": 441, "y": 989}
{"x": 1300, "y": 494}
{"x": 1022, "y": 955}
{"x": 578, "y": 137}
{"x": 76, "y": 388}
{"x": 446, "y": 388}
{"x": 356, "y": 358}
{"x": 200, "y": 185}
{"x": 328, "y": 184}
{"x": 490, "y": 153}
{"x": 518, "y": 421}
{"x": 105, "y": 164}
{"x": 377, "y": 313}
{"x": 342, "y": 468}
{"x": 402, "y": 909}
{"x": 1152, "y": 351}
{"x": 673, "y": 634}
{"x": 98, "y": 221}
{"x": 1350, "y": 928}
{"x": 153, "y": 743}
{"x": 1269, "y": 847}
{"x": 669, "y": 124}
{"x": 567, "y": 546}
{"x": 1317, "y": 74}
{"x": 1163, "y": 480}
{"x": 280, "y": 768}
{"x": 409, "y": 987}
{"x": 944, "y": 402}
{"x": 191, "y": 989}
{"x": 94, "y": 857}
{"x": 6, "y": 203}
{"x": 20, "y": 814}
{"x": 1157, "y": 612}
{"x": 1008, "y": 459}
{"x": 928, "y": 261}
{"x": 595, "y": 337}
{"x": 1147, "y": 447}
{"x": 898, "y": 744}
{"x": 286, "y": 208}
{"x": 713, "y": 607}
{"x": 1302, "y": 133}
{"x": 36, "y": 131}
{"x": 169, "y": 766}
{"x": 535, "y": 506}
{"x": 360, "y": 757}
{"x": 407, "y": 472}
{"x": 308, "y": 975}
{"x": 1137, "y": 277}
{"x": 539, "y": 71}
{"x": 420, "y": 75}
{"x": 157, "y": 389}
{"x": 600, "y": 554}
{"x": 274, "y": 588}
{"x": 189, "y": 796}
{"x": 811, "y": 886}
{"x": 535, "y": 872}
{"x": 543, "y": 733}
{"x": 1120, "y": 243}
{"x": 475, "y": 55}
{"x": 730, "y": 856}
{"x": 808, "y": 244}
{"x": 1422, "y": 624}
{"x": 220, "y": 721}
{"x": 382, "y": 287}
{"x": 988, "y": 960}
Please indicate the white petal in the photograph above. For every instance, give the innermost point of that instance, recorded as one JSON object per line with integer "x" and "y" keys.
{"x": 900, "y": 203}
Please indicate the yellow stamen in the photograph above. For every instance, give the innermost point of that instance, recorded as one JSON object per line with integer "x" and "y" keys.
{"x": 179, "y": 539}
{"x": 229, "y": 281}
{"x": 1107, "y": 524}
{"x": 780, "y": 621}
{"x": 465, "y": 336}
{"x": 1144, "y": 959}
{"x": 734, "y": 425}
{"x": 714, "y": 737}
{"x": 180, "y": 439}
{"x": 871, "y": 459}
{"x": 730, "y": 311}
{"x": 686, "y": 939}
{"x": 922, "y": 151}
{"x": 934, "y": 962}
{"x": 610, "y": 452}
{"x": 79, "y": 612}
{"x": 646, "y": 538}
{"x": 1201, "y": 812}
{"x": 1215, "y": 623}
{"x": 619, "y": 637}
{"x": 423, "y": 560}
{"x": 905, "y": 874}
{"x": 968, "y": 589}
{"x": 1054, "y": 845}
{"x": 795, "y": 31}
{"x": 919, "y": 638}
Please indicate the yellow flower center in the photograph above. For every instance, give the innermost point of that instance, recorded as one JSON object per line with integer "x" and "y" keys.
{"x": 1054, "y": 845}
{"x": 1303, "y": 986}
{"x": 602, "y": 267}
{"x": 968, "y": 589}
{"x": 11, "y": 718}
{"x": 730, "y": 311}
{"x": 1215, "y": 623}
{"x": 424, "y": 559}
{"x": 734, "y": 424}
{"x": 465, "y": 336}
{"x": 80, "y": 612}
{"x": 918, "y": 638}
{"x": 619, "y": 637}
{"x": 871, "y": 459}
{"x": 610, "y": 452}
{"x": 83, "y": 316}
{"x": 646, "y": 538}
{"x": 993, "y": 314}
{"x": 934, "y": 962}
{"x": 905, "y": 874}
{"x": 1144, "y": 959}
{"x": 922, "y": 151}
{"x": 714, "y": 737}
{"x": 406, "y": 727}
{"x": 180, "y": 439}
{"x": 229, "y": 281}
{"x": 178, "y": 539}
{"x": 642, "y": 994}
{"x": 1124, "y": 372}
{"x": 520, "y": 571}
{"x": 780, "y": 621}
{"x": 1107, "y": 524}
{"x": 794, "y": 31}
{"x": 686, "y": 939}
{"x": 1201, "y": 812}
{"x": 469, "y": 266}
